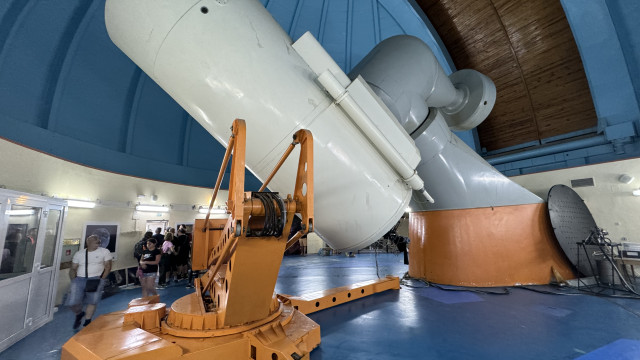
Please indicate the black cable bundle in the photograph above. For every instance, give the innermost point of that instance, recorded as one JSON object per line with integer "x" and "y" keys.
{"x": 273, "y": 224}
{"x": 599, "y": 238}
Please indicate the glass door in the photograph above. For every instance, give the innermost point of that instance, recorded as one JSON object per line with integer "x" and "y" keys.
{"x": 22, "y": 225}
{"x": 30, "y": 231}
{"x": 44, "y": 278}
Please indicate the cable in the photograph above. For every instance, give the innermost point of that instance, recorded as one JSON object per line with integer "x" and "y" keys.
{"x": 407, "y": 277}
{"x": 598, "y": 238}
{"x": 547, "y": 292}
{"x": 505, "y": 290}
{"x": 283, "y": 214}
{"x": 273, "y": 224}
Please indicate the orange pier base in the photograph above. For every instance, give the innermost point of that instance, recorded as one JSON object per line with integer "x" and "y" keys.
{"x": 494, "y": 246}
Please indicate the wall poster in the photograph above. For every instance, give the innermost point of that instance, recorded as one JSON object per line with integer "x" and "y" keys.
{"x": 107, "y": 232}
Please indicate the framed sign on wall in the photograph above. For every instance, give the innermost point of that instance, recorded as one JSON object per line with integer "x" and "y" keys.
{"x": 106, "y": 231}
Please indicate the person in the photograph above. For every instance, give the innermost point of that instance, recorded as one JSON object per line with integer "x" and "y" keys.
{"x": 32, "y": 235}
{"x": 94, "y": 262}
{"x": 141, "y": 245}
{"x": 166, "y": 263}
{"x": 149, "y": 265}
{"x": 183, "y": 248}
{"x": 159, "y": 237}
{"x": 173, "y": 231}
{"x": 29, "y": 248}
{"x": 6, "y": 265}
{"x": 11, "y": 243}
{"x": 138, "y": 248}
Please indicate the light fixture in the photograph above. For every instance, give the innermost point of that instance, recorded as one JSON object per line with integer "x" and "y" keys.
{"x": 636, "y": 192}
{"x": 81, "y": 204}
{"x": 204, "y": 209}
{"x": 625, "y": 178}
{"x": 407, "y": 209}
{"x": 152, "y": 208}
{"x": 20, "y": 212}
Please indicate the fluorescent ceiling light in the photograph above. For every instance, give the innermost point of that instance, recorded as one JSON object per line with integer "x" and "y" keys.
{"x": 204, "y": 209}
{"x": 20, "y": 212}
{"x": 81, "y": 204}
{"x": 152, "y": 208}
{"x": 636, "y": 192}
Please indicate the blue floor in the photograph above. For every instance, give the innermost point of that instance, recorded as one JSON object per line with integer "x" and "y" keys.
{"x": 420, "y": 321}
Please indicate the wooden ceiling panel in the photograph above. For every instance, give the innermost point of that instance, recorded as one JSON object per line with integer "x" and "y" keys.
{"x": 512, "y": 104}
{"x": 527, "y": 49}
{"x": 558, "y": 109}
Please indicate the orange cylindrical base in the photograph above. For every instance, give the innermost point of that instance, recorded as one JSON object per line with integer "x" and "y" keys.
{"x": 495, "y": 246}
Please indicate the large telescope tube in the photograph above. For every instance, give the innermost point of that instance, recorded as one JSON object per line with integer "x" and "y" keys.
{"x": 222, "y": 60}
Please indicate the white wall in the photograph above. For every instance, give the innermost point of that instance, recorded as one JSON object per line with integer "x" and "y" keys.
{"x": 611, "y": 203}
{"x": 36, "y": 173}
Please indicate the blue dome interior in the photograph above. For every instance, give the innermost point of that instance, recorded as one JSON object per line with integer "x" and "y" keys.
{"x": 67, "y": 90}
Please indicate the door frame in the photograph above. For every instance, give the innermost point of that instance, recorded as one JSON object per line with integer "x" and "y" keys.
{"x": 8, "y": 198}
{"x": 54, "y": 269}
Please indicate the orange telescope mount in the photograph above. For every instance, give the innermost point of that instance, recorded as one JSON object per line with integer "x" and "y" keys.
{"x": 234, "y": 312}
{"x": 243, "y": 256}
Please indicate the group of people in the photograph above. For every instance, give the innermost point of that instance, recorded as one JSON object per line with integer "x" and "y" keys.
{"x": 163, "y": 256}
{"x": 18, "y": 252}
{"x": 167, "y": 255}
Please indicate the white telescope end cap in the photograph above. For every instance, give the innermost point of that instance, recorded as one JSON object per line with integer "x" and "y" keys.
{"x": 479, "y": 99}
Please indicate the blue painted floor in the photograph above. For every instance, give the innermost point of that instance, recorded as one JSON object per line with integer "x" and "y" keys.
{"x": 420, "y": 321}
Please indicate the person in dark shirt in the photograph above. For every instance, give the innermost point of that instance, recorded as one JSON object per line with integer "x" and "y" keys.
{"x": 183, "y": 247}
{"x": 166, "y": 263}
{"x": 149, "y": 265}
{"x": 141, "y": 245}
{"x": 159, "y": 238}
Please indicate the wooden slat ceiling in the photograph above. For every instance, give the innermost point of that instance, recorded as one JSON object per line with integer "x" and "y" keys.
{"x": 526, "y": 47}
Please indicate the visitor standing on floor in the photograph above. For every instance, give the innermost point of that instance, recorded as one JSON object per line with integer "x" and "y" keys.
{"x": 138, "y": 249}
{"x": 149, "y": 265}
{"x": 166, "y": 263}
{"x": 183, "y": 247}
{"x": 159, "y": 237}
{"x": 89, "y": 270}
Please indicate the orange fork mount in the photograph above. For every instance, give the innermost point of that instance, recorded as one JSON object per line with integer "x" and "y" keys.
{"x": 233, "y": 313}
{"x": 243, "y": 263}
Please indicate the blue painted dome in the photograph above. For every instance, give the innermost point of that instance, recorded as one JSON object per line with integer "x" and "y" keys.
{"x": 66, "y": 90}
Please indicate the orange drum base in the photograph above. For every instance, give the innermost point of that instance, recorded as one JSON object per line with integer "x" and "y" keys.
{"x": 114, "y": 336}
{"x": 495, "y": 246}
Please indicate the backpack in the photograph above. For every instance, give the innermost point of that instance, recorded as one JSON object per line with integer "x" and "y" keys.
{"x": 138, "y": 248}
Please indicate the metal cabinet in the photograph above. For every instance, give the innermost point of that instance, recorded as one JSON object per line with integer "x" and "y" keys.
{"x": 30, "y": 241}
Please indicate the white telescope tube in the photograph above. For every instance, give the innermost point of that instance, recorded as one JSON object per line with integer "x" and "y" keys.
{"x": 222, "y": 60}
